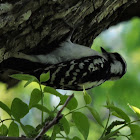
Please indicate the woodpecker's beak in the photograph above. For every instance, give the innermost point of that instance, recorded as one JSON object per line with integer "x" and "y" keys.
{"x": 104, "y": 51}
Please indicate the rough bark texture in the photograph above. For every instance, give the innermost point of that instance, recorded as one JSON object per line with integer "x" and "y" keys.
{"x": 38, "y": 26}
{"x": 35, "y": 25}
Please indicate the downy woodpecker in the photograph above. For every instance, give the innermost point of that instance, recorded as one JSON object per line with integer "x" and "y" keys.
{"x": 71, "y": 66}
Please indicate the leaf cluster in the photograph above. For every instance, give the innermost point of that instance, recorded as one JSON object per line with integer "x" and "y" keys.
{"x": 19, "y": 109}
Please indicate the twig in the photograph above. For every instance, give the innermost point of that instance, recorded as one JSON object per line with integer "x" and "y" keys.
{"x": 106, "y": 125}
{"x": 14, "y": 138}
{"x": 42, "y": 116}
{"x": 6, "y": 120}
{"x": 59, "y": 116}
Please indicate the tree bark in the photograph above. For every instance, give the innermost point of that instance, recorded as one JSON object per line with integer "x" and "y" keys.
{"x": 38, "y": 26}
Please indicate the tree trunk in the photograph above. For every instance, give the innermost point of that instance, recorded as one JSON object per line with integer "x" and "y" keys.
{"x": 38, "y": 26}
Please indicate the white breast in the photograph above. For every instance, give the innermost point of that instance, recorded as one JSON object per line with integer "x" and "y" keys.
{"x": 68, "y": 51}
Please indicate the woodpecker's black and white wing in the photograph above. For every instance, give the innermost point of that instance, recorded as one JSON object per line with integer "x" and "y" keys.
{"x": 73, "y": 75}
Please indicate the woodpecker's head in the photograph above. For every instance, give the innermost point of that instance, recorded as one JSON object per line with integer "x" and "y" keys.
{"x": 118, "y": 65}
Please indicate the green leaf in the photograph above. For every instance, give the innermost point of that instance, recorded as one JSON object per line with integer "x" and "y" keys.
{"x": 76, "y": 138}
{"x": 71, "y": 105}
{"x": 19, "y": 109}
{"x": 115, "y": 114}
{"x": 56, "y": 129}
{"x": 52, "y": 91}
{"x": 81, "y": 123}
{"x": 3, "y": 130}
{"x": 36, "y": 96}
{"x": 29, "y": 129}
{"x": 44, "y": 77}
{"x": 25, "y": 77}
{"x": 13, "y": 130}
{"x": 24, "y": 129}
{"x": 108, "y": 136}
{"x": 28, "y": 82}
{"x": 120, "y": 112}
{"x": 53, "y": 136}
{"x": 108, "y": 102}
{"x": 135, "y": 109}
{"x": 87, "y": 97}
{"x": 42, "y": 108}
{"x": 135, "y": 131}
{"x": 65, "y": 125}
{"x": 95, "y": 115}
{"x": 5, "y": 108}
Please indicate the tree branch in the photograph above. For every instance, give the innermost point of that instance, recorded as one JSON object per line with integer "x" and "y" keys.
{"x": 14, "y": 138}
{"x": 59, "y": 116}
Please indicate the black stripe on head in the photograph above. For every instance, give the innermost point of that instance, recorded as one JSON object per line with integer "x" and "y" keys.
{"x": 123, "y": 62}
